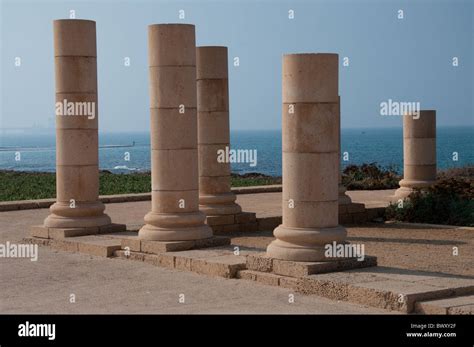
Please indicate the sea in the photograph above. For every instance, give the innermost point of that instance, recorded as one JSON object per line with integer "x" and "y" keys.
{"x": 129, "y": 152}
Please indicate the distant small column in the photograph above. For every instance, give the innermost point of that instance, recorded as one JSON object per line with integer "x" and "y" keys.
{"x": 175, "y": 214}
{"x": 419, "y": 152}
{"x": 344, "y": 199}
{"x": 215, "y": 196}
{"x": 77, "y": 170}
{"x": 310, "y": 158}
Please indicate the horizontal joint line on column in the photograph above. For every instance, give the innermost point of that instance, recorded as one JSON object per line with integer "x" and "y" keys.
{"x": 310, "y": 103}
{"x": 75, "y": 56}
{"x": 76, "y": 165}
{"x": 312, "y": 201}
{"x": 76, "y": 92}
{"x": 149, "y": 66}
{"x": 174, "y": 149}
{"x": 89, "y": 93}
{"x": 201, "y": 111}
{"x": 172, "y": 108}
{"x": 419, "y": 137}
{"x": 174, "y": 191}
{"x": 82, "y": 129}
{"x": 327, "y": 152}
{"x": 212, "y": 79}
{"x": 217, "y": 176}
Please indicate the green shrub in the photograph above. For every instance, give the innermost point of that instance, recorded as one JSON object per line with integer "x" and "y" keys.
{"x": 450, "y": 202}
{"x": 369, "y": 177}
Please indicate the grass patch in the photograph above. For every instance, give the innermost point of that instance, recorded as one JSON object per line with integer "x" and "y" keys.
{"x": 253, "y": 179}
{"x": 26, "y": 186}
{"x": 15, "y": 185}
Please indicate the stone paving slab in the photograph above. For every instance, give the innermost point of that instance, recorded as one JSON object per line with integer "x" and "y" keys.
{"x": 456, "y": 305}
{"x": 62, "y": 233}
{"x": 97, "y": 245}
{"x": 133, "y": 243}
{"x": 380, "y": 287}
{"x": 106, "y": 244}
{"x": 260, "y": 262}
{"x": 386, "y": 288}
{"x": 220, "y": 262}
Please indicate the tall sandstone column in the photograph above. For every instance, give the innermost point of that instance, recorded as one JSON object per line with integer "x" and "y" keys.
{"x": 175, "y": 214}
{"x": 77, "y": 171}
{"x": 419, "y": 152}
{"x": 215, "y": 196}
{"x": 310, "y": 158}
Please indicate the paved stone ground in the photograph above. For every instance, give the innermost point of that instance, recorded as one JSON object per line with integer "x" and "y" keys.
{"x": 117, "y": 286}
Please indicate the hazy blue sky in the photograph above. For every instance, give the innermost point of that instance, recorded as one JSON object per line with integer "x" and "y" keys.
{"x": 402, "y": 60}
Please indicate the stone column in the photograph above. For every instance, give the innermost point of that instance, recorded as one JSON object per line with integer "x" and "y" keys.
{"x": 310, "y": 158}
{"x": 215, "y": 196}
{"x": 419, "y": 152}
{"x": 77, "y": 171}
{"x": 175, "y": 214}
{"x": 344, "y": 199}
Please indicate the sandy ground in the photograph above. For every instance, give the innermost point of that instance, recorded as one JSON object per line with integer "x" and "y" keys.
{"x": 116, "y": 286}
{"x": 404, "y": 246}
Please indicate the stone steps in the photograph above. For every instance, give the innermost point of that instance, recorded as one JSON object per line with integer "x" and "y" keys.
{"x": 455, "y": 305}
{"x": 367, "y": 288}
{"x": 406, "y": 291}
{"x": 92, "y": 245}
{"x": 212, "y": 262}
{"x": 268, "y": 278}
{"x": 387, "y": 288}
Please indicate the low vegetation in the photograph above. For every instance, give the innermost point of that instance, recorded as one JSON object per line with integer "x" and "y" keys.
{"x": 450, "y": 201}
{"x": 15, "y": 185}
{"x": 370, "y": 177}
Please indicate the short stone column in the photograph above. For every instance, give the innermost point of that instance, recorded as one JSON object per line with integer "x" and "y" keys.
{"x": 175, "y": 214}
{"x": 310, "y": 158}
{"x": 344, "y": 199}
{"x": 77, "y": 171}
{"x": 215, "y": 196}
{"x": 419, "y": 152}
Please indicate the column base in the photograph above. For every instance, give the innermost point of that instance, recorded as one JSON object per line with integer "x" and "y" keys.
{"x": 175, "y": 227}
{"x": 219, "y": 204}
{"x": 220, "y": 210}
{"x": 83, "y": 215}
{"x": 153, "y": 233}
{"x": 304, "y": 244}
{"x": 408, "y": 186}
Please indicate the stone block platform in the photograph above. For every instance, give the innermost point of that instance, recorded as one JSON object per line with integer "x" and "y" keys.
{"x": 107, "y": 243}
{"x": 244, "y": 221}
{"x": 40, "y": 231}
{"x": 262, "y": 263}
{"x": 242, "y": 258}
